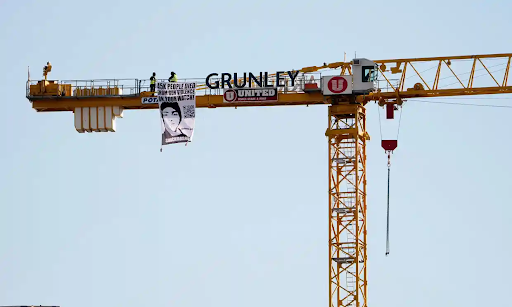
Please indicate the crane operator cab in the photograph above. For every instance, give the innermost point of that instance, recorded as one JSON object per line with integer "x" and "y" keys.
{"x": 362, "y": 81}
{"x": 364, "y": 74}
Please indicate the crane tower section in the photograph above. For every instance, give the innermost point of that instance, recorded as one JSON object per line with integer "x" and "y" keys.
{"x": 347, "y": 205}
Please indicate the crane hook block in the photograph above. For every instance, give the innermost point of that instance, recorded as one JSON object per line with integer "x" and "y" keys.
{"x": 389, "y": 145}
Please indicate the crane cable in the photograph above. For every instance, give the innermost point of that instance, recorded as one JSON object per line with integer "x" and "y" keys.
{"x": 389, "y": 176}
{"x": 387, "y": 217}
{"x": 398, "y": 134}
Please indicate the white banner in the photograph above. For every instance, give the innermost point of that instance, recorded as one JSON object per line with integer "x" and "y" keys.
{"x": 177, "y": 104}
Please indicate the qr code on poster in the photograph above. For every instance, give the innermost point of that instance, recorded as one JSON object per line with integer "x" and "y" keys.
{"x": 189, "y": 111}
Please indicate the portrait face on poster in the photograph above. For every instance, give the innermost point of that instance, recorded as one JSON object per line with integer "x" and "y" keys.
{"x": 177, "y": 111}
{"x": 173, "y": 130}
{"x": 171, "y": 115}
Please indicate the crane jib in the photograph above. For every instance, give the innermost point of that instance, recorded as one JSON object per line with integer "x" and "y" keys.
{"x": 261, "y": 80}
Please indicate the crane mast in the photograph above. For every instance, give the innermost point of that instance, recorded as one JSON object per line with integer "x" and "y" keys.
{"x": 347, "y": 205}
{"x": 97, "y": 103}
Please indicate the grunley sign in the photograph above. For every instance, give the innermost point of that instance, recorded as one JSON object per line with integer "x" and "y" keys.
{"x": 261, "y": 81}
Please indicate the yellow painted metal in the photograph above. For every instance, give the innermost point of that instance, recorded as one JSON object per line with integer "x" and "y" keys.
{"x": 347, "y": 66}
{"x": 507, "y": 70}
{"x": 472, "y": 74}
{"x": 413, "y": 93}
{"x": 438, "y": 75}
{"x": 347, "y": 206}
{"x": 50, "y": 96}
{"x": 448, "y": 60}
{"x": 347, "y": 137}
{"x": 402, "y": 79}
{"x": 66, "y": 103}
{"x": 457, "y": 57}
{"x": 50, "y": 88}
{"x": 398, "y": 62}
{"x": 52, "y": 104}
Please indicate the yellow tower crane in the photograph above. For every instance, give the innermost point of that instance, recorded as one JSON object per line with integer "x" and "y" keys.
{"x": 345, "y": 87}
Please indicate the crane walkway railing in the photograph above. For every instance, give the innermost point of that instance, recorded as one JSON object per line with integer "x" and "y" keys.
{"x": 141, "y": 87}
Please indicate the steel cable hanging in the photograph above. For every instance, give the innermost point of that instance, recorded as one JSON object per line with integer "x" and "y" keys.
{"x": 387, "y": 215}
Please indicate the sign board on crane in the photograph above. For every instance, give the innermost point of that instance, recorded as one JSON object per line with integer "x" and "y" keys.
{"x": 253, "y": 95}
{"x": 248, "y": 81}
{"x": 336, "y": 85}
{"x": 149, "y": 100}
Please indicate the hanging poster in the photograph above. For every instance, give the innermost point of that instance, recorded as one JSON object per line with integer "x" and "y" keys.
{"x": 177, "y": 105}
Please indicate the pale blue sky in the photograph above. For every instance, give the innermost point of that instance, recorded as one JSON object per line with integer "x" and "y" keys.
{"x": 239, "y": 216}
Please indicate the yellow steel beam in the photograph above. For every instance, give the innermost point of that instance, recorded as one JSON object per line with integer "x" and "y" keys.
{"x": 347, "y": 66}
{"x": 442, "y": 93}
{"x": 347, "y": 206}
{"x": 408, "y": 60}
{"x": 460, "y": 57}
{"x": 135, "y": 102}
{"x": 507, "y": 70}
{"x": 395, "y": 91}
{"x": 53, "y": 104}
{"x": 399, "y": 66}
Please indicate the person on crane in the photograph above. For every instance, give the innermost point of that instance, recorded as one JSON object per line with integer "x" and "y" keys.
{"x": 46, "y": 70}
{"x": 152, "y": 82}
{"x": 173, "y": 77}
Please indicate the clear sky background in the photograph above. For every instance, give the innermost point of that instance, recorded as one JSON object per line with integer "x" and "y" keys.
{"x": 239, "y": 216}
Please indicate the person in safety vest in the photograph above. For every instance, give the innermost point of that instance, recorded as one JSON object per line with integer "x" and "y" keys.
{"x": 152, "y": 82}
{"x": 173, "y": 77}
{"x": 46, "y": 70}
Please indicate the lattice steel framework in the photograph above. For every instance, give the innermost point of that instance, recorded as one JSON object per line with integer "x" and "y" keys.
{"x": 347, "y": 206}
{"x": 403, "y": 79}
